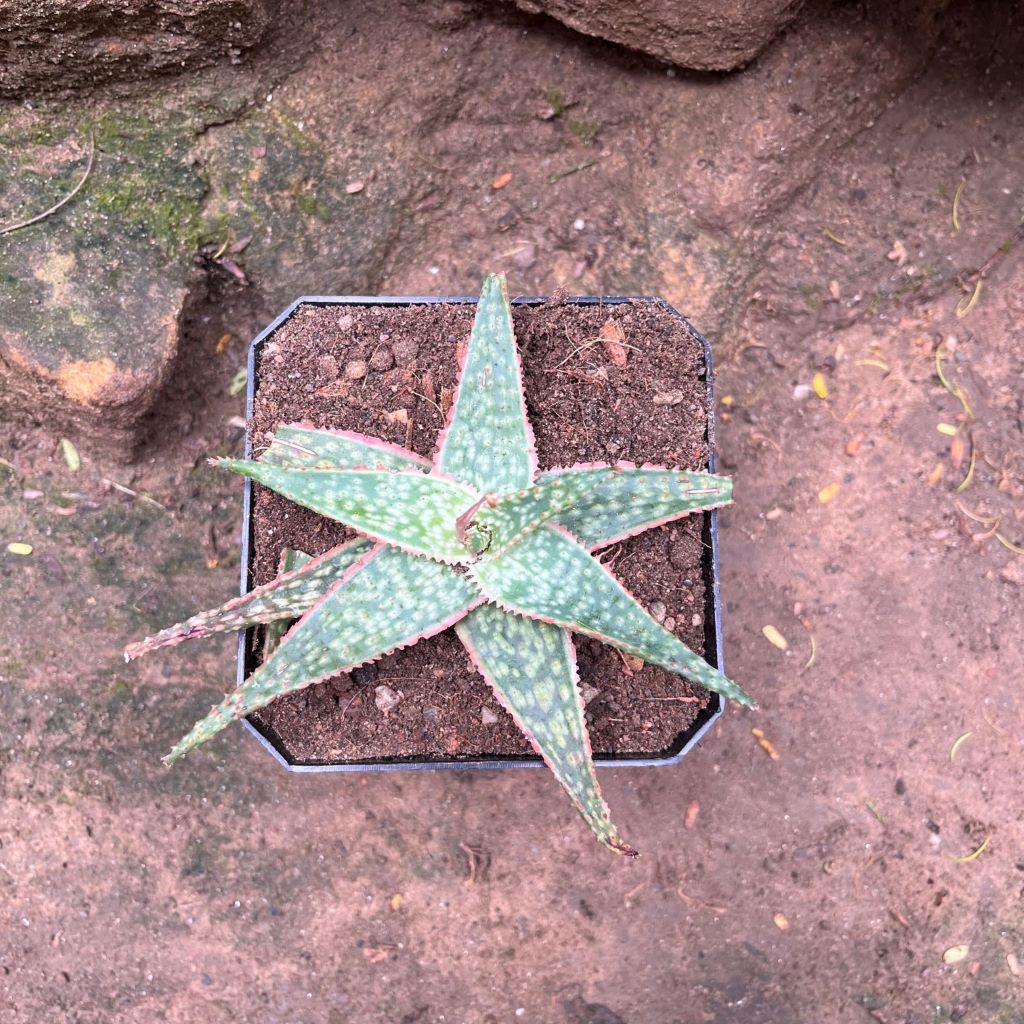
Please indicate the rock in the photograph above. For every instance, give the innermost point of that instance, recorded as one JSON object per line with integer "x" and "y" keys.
{"x": 93, "y": 297}
{"x": 355, "y": 369}
{"x": 588, "y": 693}
{"x": 327, "y": 367}
{"x": 405, "y": 351}
{"x": 707, "y": 35}
{"x": 64, "y": 45}
{"x": 488, "y": 717}
{"x": 382, "y": 359}
{"x": 386, "y": 699}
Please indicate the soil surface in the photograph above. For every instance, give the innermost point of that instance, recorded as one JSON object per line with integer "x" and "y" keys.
{"x": 871, "y": 874}
{"x": 390, "y": 372}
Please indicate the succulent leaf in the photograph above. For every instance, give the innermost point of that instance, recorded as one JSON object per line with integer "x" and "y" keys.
{"x": 290, "y": 561}
{"x": 386, "y": 600}
{"x": 303, "y": 446}
{"x": 488, "y": 441}
{"x": 548, "y": 575}
{"x": 286, "y": 597}
{"x": 417, "y": 513}
{"x": 531, "y": 666}
{"x": 634, "y": 499}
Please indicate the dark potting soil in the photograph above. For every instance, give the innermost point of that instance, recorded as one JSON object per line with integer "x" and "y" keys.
{"x": 389, "y": 372}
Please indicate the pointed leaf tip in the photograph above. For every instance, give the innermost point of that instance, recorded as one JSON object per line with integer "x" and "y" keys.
{"x": 531, "y": 667}
{"x": 488, "y": 442}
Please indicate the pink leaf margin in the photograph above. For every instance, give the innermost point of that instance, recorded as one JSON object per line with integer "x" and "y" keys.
{"x": 613, "y": 842}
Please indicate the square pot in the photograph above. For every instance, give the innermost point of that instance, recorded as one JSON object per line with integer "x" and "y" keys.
{"x": 247, "y": 660}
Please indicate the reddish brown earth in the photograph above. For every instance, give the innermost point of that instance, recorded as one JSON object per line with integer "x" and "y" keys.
{"x": 828, "y": 885}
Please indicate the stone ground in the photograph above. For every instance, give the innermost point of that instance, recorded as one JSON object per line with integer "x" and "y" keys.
{"x": 826, "y": 885}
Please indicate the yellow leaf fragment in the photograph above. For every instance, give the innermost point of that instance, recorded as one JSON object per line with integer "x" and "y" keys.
{"x": 970, "y": 471}
{"x": 1009, "y": 545}
{"x": 774, "y": 637}
{"x": 956, "y": 206}
{"x": 1013, "y": 964}
{"x": 958, "y": 743}
{"x": 949, "y": 429}
{"x": 71, "y": 456}
{"x": 820, "y": 385}
{"x": 877, "y": 363}
{"x": 396, "y": 902}
{"x": 18, "y": 548}
{"x": 968, "y": 302}
{"x": 954, "y": 389}
{"x": 955, "y": 954}
{"x": 957, "y": 450}
{"x": 828, "y": 493}
{"x": 502, "y": 180}
{"x": 728, "y": 401}
{"x": 781, "y": 922}
{"x": 853, "y": 445}
{"x": 765, "y": 744}
{"x": 936, "y": 474}
{"x": 806, "y": 623}
{"x": 974, "y": 854}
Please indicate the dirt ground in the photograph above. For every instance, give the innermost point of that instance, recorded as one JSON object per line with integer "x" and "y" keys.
{"x": 874, "y": 871}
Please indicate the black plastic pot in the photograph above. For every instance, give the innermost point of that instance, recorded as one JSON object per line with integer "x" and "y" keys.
{"x": 683, "y": 743}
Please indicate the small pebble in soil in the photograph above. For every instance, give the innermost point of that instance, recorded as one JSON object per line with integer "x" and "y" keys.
{"x": 525, "y": 256}
{"x": 668, "y": 398}
{"x": 382, "y": 359}
{"x": 345, "y": 321}
{"x": 658, "y": 611}
{"x": 327, "y": 366}
{"x": 386, "y": 699}
{"x": 488, "y": 717}
{"x": 355, "y": 369}
{"x": 405, "y": 351}
{"x": 901, "y": 787}
{"x": 588, "y": 693}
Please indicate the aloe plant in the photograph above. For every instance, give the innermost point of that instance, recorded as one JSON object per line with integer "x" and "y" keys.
{"x": 476, "y": 538}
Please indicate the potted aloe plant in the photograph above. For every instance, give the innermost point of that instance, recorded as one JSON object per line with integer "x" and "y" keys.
{"x": 477, "y": 537}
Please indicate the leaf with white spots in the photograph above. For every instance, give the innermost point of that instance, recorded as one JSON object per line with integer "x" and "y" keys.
{"x": 286, "y": 597}
{"x": 488, "y": 441}
{"x": 290, "y": 561}
{"x": 548, "y": 575}
{"x": 417, "y": 513}
{"x": 303, "y": 446}
{"x": 532, "y": 668}
{"x": 386, "y": 600}
{"x": 634, "y": 499}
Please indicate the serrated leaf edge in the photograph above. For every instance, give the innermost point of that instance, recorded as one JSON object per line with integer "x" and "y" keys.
{"x": 159, "y": 640}
{"x": 180, "y": 748}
